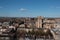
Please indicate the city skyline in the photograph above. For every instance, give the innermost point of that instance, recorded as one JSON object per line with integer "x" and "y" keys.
{"x": 29, "y": 8}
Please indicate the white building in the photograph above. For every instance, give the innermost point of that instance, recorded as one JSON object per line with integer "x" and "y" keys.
{"x": 22, "y": 25}
{"x": 57, "y": 25}
{"x": 5, "y": 24}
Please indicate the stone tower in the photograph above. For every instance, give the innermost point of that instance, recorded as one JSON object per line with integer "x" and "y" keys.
{"x": 39, "y": 22}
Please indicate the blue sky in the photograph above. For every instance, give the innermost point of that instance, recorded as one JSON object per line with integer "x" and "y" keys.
{"x": 29, "y": 8}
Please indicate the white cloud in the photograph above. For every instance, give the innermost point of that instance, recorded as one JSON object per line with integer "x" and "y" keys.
{"x": 23, "y": 9}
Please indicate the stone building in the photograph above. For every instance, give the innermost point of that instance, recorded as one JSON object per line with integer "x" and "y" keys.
{"x": 57, "y": 24}
{"x": 39, "y": 22}
{"x": 49, "y": 23}
{"x": 35, "y": 22}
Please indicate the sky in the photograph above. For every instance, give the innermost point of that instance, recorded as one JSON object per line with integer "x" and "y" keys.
{"x": 29, "y": 8}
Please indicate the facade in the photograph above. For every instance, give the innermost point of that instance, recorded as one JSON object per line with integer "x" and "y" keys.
{"x": 57, "y": 25}
{"x": 39, "y": 22}
{"x": 28, "y": 24}
{"x": 36, "y": 22}
{"x": 49, "y": 23}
